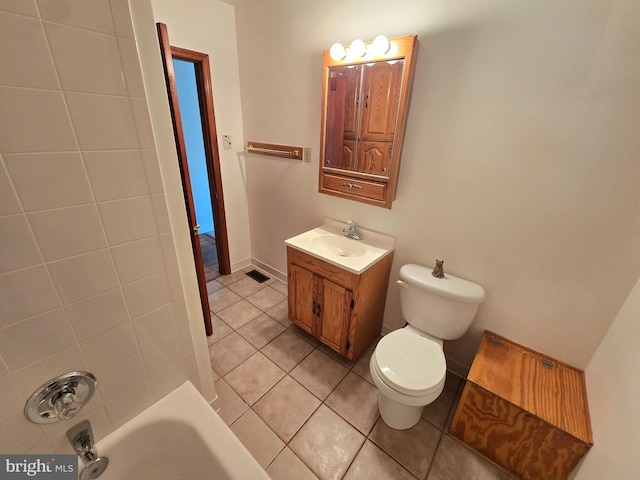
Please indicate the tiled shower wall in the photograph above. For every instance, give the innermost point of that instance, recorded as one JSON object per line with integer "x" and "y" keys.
{"x": 88, "y": 270}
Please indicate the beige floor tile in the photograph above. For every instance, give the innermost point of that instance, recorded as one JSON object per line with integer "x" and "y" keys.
{"x": 319, "y": 374}
{"x": 220, "y": 330}
{"x": 229, "y": 352}
{"x": 287, "y": 350}
{"x": 287, "y": 466}
{"x": 454, "y": 460}
{"x": 245, "y": 286}
{"x": 231, "y": 405}
{"x": 438, "y": 411}
{"x": 280, "y": 286}
{"x": 221, "y": 299}
{"x": 413, "y": 448}
{"x": 453, "y": 381}
{"x": 233, "y": 277}
{"x": 304, "y": 335}
{"x": 373, "y": 463}
{"x": 286, "y": 407}
{"x": 336, "y": 356}
{"x": 280, "y": 313}
{"x": 254, "y": 377}
{"x": 257, "y": 437}
{"x": 266, "y": 298}
{"x": 327, "y": 444}
{"x": 261, "y": 330}
{"x": 355, "y": 400}
{"x": 238, "y": 314}
{"x": 213, "y": 286}
{"x": 362, "y": 365}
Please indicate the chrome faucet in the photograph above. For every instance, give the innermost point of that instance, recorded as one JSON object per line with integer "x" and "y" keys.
{"x": 350, "y": 231}
{"x": 81, "y": 438}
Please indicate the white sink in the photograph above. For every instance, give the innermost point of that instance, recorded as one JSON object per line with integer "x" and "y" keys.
{"x": 329, "y": 244}
{"x": 341, "y": 246}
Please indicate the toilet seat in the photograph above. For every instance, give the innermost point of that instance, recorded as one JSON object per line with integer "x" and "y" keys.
{"x": 410, "y": 363}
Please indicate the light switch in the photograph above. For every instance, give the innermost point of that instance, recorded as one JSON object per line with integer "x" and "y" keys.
{"x": 226, "y": 142}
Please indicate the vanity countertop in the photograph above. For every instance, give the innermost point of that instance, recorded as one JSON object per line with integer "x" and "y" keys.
{"x": 328, "y": 243}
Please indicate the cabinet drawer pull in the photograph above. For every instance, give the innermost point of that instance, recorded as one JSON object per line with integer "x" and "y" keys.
{"x": 351, "y": 185}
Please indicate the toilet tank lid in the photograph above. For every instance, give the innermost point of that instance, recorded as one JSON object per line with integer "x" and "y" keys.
{"x": 451, "y": 287}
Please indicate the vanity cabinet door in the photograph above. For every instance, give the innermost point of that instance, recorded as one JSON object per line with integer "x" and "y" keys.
{"x": 334, "y": 315}
{"x": 302, "y": 303}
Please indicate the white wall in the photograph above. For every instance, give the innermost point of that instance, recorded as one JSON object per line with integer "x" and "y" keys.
{"x": 89, "y": 273}
{"x": 208, "y": 26}
{"x": 613, "y": 389}
{"x": 520, "y": 161}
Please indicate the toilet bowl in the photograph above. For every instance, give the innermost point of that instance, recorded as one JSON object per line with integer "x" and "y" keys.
{"x": 409, "y": 370}
{"x": 408, "y": 365}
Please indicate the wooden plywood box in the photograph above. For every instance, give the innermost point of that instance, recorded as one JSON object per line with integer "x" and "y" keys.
{"x": 524, "y": 410}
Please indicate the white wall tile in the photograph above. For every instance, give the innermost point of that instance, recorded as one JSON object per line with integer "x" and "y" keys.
{"x": 12, "y": 399}
{"x": 155, "y": 325}
{"x": 24, "y": 55}
{"x": 109, "y": 347}
{"x": 121, "y": 376}
{"x": 138, "y": 259}
{"x": 31, "y": 378}
{"x": 28, "y": 341}
{"x": 152, "y": 169}
{"x": 97, "y": 314}
{"x": 175, "y": 283}
{"x": 131, "y": 66}
{"x": 83, "y": 276}
{"x": 24, "y": 7}
{"x": 128, "y": 220}
{"x": 89, "y": 14}
{"x": 147, "y": 294}
{"x": 49, "y": 180}
{"x": 102, "y": 122}
{"x": 167, "y": 380}
{"x": 19, "y": 249}
{"x": 116, "y": 175}
{"x": 30, "y": 438}
{"x": 9, "y": 204}
{"x": 93, "y": 412}
{"x": 162, "y": 354}
{"x": 161, "y": 213}
{"x": 129, "y": 403}
{"x": 168, "y": 250}
{"x": 26, "y": 293}
{"x": 122, "y": 18}
{"x": 34, "y": 121}
{"x": 66, "y": 232}
{"x": 86, "y": 61}
{"x": 143, "y": 122}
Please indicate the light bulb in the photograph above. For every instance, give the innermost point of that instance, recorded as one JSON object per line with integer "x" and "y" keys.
{"x": 357, "y": 48}
{"x": 381, "y": 45}
{"x": 337, "y": 51}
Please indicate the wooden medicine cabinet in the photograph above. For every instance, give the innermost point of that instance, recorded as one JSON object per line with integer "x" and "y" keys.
{"x": 365, "y": 104}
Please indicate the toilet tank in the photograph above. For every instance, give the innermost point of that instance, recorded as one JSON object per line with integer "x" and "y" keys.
{"x": 441, "y": 307}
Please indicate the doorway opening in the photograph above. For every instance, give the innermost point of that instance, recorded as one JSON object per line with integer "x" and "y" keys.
{"x": 199, "y": 126}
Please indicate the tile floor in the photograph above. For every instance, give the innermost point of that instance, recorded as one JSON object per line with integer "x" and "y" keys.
{"x": 306, "y": 413}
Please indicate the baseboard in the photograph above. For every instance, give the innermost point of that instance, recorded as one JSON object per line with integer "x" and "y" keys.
{"x": 268, "y": 269}
{"x": 240, "y": 265}
{"x": 458, "y": 368}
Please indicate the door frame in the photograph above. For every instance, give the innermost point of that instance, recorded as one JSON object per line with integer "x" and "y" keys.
{"x": 212, "y": 158}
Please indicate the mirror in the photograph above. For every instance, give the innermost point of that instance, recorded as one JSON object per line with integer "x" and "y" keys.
{"x": 364, "y": 111}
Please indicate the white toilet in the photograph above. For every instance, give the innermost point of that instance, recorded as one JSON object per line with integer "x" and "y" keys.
{"x": 408, "y": 365}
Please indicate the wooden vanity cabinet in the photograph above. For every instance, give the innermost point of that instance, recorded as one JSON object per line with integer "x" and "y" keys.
{"x": 342, "y": 309}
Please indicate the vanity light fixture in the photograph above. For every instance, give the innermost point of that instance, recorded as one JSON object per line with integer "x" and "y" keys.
{"x": 358, "y": 49}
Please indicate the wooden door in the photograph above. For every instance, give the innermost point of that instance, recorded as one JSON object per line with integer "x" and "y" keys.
{"x": 374, "y": 157}
{"x": 167, "y": 63}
